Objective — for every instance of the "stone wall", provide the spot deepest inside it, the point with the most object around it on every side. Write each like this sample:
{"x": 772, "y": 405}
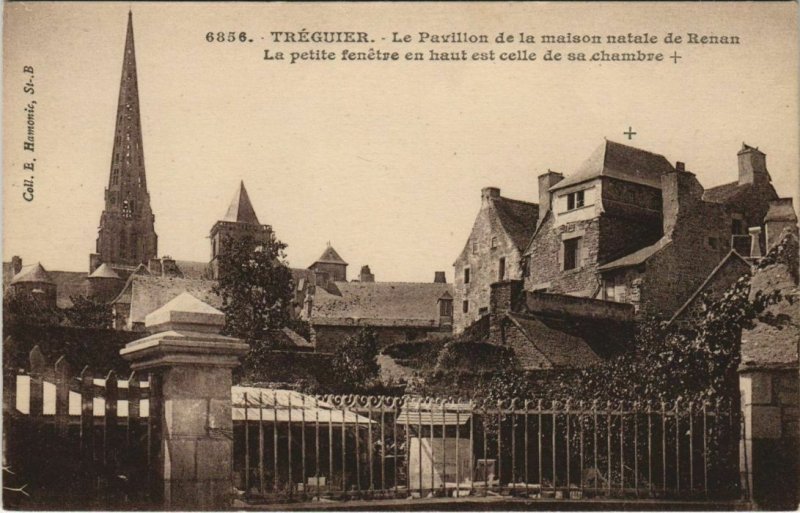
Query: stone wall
{"x": 483, "y": 266}
{"x": 769, "y": 451}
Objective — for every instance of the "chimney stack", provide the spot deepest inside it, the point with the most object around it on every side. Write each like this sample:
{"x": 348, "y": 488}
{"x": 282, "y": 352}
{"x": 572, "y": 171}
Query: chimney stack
{"x": 490, "y": 192}
{"x": 679, "y": 190}
{"x": 755, "y": 242}
{"x": 752, "y": 165}
{"x": 16, "y": 264}
{"x": 547, "y": 180}
{"x": 439, "y": 277}
{"x": 154, "y": 266}
{"x": 366, "y": 276}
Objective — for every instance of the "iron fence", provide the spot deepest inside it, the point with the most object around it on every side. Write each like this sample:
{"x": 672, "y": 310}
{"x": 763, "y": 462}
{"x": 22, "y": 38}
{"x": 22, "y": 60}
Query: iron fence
{"x": 297, "y": 447}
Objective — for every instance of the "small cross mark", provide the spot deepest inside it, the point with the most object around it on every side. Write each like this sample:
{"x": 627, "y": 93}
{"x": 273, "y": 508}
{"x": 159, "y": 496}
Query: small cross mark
{"x": 675, "y": 57}
{"x": 630, "y": 133}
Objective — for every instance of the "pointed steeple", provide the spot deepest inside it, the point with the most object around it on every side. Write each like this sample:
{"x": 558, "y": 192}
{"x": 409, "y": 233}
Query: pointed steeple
{"x": 127, "y": 234}
{"x": 240, "y": 209}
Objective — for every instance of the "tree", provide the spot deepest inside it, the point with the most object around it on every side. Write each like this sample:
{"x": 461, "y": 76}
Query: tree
{"x": 256, "y": 288}
{"x": 355, "y": 363}
{"x": 27, "y": 309}
{"x": 85, "y": 312}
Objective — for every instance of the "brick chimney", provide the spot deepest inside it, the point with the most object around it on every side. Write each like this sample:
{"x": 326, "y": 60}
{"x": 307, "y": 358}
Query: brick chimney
{"x": 680, "y": 191}
{"x": 16, "y": 264}
{"x": 547, "y": 180}
{"x": 439, "y": 277}
{"x": 366, "y": 276}
{"x": 154, "y": 266}
{"x": 169, "y": 267}
{"x": 752, "y": 165}
{"x": 780, "y": 216}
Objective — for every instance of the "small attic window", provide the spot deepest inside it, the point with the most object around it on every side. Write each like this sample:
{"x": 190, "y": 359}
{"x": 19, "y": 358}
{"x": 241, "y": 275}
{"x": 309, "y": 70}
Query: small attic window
{"x": 575, "y": 200}
{"x": 474, "y": 248}
{"x": 494, "y": 242}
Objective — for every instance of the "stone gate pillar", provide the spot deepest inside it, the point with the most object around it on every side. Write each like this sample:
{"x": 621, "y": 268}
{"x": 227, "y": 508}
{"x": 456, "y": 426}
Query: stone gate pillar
{"x": 193, "y": 364}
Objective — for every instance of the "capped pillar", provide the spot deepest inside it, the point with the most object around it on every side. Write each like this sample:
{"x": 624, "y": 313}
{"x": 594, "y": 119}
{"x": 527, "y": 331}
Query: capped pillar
{"x": 192, "y": 365}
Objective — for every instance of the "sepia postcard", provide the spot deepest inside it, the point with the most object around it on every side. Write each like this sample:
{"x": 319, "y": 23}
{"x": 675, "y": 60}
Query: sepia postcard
{"x": 401, "y": 256}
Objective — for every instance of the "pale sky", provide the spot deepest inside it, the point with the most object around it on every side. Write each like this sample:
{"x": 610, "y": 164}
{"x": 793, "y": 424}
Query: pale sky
{"x": 385, "y": 160}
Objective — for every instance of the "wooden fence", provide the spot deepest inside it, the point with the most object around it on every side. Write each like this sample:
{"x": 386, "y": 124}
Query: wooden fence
{"x": 78, "y": 440}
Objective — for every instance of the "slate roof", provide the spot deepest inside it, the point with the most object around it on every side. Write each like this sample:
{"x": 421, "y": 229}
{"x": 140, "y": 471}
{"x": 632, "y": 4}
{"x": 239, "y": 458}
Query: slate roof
{"x": 146, "y": 294}
{"x": 772, "y": 342}
{"x": 551, "y": 347}
{"x": 619, "y": 161}
{"x": 379, "y": 304}
{"x": 726, "y": 193}
{"x": 330, "y": 256}
{"x": 637, "y": 257}
{"x": 240, "y": 209}
{"x": 518, "y": 219}
{"x": 193, "y": 270}
{"x": 32, "y": 274}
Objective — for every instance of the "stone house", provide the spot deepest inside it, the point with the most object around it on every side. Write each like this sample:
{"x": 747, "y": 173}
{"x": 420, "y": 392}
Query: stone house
{"x": 629, "y": 227}
{"x": 396, "y": 311}
{"x": 493, "y": 252}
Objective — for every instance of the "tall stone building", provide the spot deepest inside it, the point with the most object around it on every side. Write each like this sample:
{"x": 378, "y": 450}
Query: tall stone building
{"x": 126, "y": 236}
{"x": 240, "y": 221}
{"x": 493, "y": 252}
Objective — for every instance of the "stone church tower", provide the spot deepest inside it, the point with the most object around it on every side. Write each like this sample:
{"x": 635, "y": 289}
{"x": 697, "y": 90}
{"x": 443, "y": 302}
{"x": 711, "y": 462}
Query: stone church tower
{"x": 126, "y": 236}
{"x": 240, "y": 221}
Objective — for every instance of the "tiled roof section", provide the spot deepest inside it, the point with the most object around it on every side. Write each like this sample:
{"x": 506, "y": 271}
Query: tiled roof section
{"x": 637, "y": 257}
{"x": 559, "y": 348}
{"x": 32, "y": 274}
{"x": 725, "y": 193}
{"x": 194, "y": 270}
{"x": 772, "y": 342}
{"x": 379, "y": 304}
{"x": 330, "y": 256}
{"x": 619, "y": 161}
{"x": 518, "y": 219}
{"x": 149, "y": 293}
{"x": 240, "y": 209}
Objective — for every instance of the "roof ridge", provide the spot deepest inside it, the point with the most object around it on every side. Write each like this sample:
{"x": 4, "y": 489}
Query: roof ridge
{"x": 506, "y": 198}
{"x": 635, "y": 148}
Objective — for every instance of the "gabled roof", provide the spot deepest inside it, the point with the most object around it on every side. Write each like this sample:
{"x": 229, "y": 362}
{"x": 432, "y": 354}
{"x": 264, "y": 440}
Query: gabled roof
{"x": 32, "y": 274}
{"x": 379, "y": 304}
{"x": 330, "y": 256}
{"x": 550, "y": 347}
{"x": 619, "y": 161}
{"x": 240, "y": 209}
{"x": 637, "y": 257}
{"x": 726, "y": 193}
{"x": 732, "y": 258}
{"x": 518, "y": 219}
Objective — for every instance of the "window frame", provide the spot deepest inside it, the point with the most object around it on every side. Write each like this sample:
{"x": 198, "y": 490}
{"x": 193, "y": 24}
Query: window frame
{"x": 466, "y": 276}
{"x": 575, "y": 253}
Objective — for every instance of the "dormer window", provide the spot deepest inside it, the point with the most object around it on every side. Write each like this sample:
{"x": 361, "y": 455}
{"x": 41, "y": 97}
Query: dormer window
{"x": 575, "y": 200}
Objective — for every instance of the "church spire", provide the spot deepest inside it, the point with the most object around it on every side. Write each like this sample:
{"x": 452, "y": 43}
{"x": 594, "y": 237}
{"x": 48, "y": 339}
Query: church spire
{"x": 126, "y": 234}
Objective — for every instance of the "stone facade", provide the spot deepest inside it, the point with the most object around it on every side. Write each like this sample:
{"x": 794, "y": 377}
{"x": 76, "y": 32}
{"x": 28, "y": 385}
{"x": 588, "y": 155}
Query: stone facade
{"x": 492, "y": 253}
